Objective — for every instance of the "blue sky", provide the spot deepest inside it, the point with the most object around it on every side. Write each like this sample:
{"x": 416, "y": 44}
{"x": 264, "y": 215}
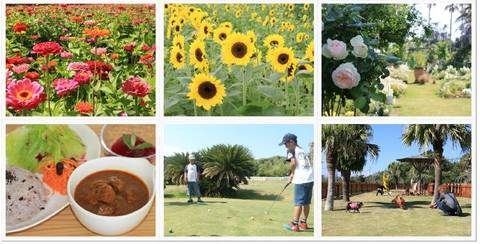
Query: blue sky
{"x": 261, "y": 139}
{"x": 388, "y": 138}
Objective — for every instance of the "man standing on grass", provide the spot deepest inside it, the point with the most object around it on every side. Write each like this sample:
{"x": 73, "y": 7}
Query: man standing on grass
{"x": 301, "y": 175}
{"x": 192, "y": 176}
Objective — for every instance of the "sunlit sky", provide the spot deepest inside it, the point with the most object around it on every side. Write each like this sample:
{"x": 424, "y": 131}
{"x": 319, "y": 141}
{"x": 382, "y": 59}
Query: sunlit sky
{"x": 441, "y": 16}
{"x": 261, "y": 139}
{"x": 388, "y": 138}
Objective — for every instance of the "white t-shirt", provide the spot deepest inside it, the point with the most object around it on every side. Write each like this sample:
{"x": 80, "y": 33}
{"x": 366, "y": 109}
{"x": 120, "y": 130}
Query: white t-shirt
{"x": 192, "y": 172}
{"x": 303, "y": 167}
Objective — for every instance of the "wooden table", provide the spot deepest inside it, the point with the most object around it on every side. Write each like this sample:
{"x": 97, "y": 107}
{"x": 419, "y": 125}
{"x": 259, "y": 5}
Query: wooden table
{"x": 65, "y": 222}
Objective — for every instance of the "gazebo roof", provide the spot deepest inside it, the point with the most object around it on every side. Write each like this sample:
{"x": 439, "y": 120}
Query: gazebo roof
{"x": 416, "y": 159}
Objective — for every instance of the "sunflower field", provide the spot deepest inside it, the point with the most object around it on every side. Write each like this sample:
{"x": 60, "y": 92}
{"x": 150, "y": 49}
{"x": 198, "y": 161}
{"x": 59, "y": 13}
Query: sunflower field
{"x": 239, "y": 59}
{"x": 72, "y": 60}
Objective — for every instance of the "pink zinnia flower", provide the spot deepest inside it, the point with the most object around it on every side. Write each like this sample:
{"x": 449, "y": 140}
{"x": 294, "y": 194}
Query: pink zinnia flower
{"x": 83, "y": 77}
{"x": 20, "y": 69}
{"x": 66, "y": 55}
{"x": 98, "y": 51}
{"x": 78, "y": 66}
{"x": 123, "y": 114}
{"x": 24, "y": 94}
{"x": 47, "y": 48}
{"x": 8, "y": 77}
{"x": 136, "y": 86}
{"x": 89, "y": 22}
{"x": 64, "y": 86}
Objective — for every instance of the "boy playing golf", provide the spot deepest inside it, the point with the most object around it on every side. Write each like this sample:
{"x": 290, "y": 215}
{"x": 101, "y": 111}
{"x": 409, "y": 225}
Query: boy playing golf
{"x": 301, "y": 176}
{"x": 192, "y": 176}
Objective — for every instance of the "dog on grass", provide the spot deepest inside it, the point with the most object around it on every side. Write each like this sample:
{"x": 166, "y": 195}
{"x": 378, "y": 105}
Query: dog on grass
{"x": 399, "y": 202}
{"x": 355, "y": 206}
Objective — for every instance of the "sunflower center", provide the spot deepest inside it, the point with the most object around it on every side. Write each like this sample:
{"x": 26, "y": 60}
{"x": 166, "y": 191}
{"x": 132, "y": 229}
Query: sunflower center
{"x": 239, "y": 49}
{"x": 199, "y": 54}
{"x": 177, "y": 28}
{"x": 207, "y": 90}
{"x": 302, "y": 67}
{"x": 222, "y": 36}
{"x": 179, "y": 57}
{"x": 283, "y": 58}
{"x": 24, "y": 95}
{"x": 274, "y": 42}
{"x": 205, "y": 29}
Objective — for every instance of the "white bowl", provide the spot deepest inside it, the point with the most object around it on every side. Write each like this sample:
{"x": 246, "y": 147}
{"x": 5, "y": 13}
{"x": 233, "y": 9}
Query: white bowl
{"x": 112, "y": 225}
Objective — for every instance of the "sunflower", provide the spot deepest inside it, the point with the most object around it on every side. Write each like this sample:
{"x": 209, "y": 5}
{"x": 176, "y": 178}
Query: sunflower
{"x": 274, "y": 40}
{"x": 291, "y": 7}
{"x": 204, "y": 30}
{"x": 177, "y": 57}
{"x": 291, "y": 70}
{"x": 206, "y": 90}
{"x": 280, "y": 58}
{"x": 227, "y": 25}
{"x": 179, "y": 41}
{"x": 309, "y": 52}
{"x": 305, "y": 67}
{"x": 198, "y": 56}
{"x": 252, "y": 36}
{"x": 237, "y": 49}
{"x": 220, "y": 34}
{"x": 257, "y": 57}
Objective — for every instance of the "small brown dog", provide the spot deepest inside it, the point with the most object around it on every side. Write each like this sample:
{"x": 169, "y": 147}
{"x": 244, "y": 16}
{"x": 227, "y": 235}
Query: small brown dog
{"x": 399, "y": 202}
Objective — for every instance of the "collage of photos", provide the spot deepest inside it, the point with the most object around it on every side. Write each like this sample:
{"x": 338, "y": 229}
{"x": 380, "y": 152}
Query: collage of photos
{"x": 108, "y": 132}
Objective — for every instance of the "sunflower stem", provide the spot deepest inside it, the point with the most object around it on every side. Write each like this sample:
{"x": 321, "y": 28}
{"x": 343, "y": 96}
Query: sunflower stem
{"x": 194, "y": 109}
{"x": 244, "y": 87}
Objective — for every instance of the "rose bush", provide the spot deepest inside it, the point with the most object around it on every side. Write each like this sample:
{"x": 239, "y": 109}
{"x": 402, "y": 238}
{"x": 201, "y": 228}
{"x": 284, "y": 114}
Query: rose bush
{"x": 351, "y": 74}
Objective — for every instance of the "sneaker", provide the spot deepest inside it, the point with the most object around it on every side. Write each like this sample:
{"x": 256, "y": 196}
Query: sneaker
{"x": 200, "y": 201}
{"x": 303, "y": 226}
{"x": 293, "y": 227}
{"x": 190, "y": 201}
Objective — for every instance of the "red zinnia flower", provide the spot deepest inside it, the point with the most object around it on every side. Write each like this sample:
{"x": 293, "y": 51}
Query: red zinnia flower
{"x": 83, "y": 77}
{"x": 24, "y": 94}
{"x": 47, "y": 48}
{"x": 32, "y": 75}
{"x": 129, "y": 47}
{"x": 136, "y": 86}
{"x": 147, "y": 59}
{"x": 84, "y": 107}
{"x": 99, "y": 68}
{"x": 20, "y": 27}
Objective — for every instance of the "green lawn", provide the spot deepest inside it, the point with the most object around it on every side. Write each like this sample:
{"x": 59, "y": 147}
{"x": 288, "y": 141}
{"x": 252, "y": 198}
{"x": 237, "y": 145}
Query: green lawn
{"x": 422, "y": 100}
{"x": 232, "y": 217}
{"x": 378, "y": 217}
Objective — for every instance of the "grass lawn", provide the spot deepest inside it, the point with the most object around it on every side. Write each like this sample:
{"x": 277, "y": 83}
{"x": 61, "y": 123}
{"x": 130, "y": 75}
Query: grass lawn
{"x": 378, "y": 217}
{"x": 422, "y": 100}
{"x": 232, "y": 217}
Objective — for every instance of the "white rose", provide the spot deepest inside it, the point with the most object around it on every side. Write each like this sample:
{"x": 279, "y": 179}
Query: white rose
{"x": 335, "y": 49}
{"x": 346, "y": 76}
{"x": 360, "y": 50}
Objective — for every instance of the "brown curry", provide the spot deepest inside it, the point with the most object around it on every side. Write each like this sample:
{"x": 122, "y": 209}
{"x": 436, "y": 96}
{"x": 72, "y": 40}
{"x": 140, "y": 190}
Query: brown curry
{"x": 111, "y": 193}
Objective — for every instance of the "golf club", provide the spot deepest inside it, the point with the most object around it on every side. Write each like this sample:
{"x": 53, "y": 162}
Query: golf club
{"x": 276, "y": 198}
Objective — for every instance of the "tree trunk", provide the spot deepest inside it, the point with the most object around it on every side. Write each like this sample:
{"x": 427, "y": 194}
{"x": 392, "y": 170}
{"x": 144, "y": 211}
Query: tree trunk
{"x": 346, "y": 185}
{"x": 437, "y": 163}
{"x": 330, "y": 181}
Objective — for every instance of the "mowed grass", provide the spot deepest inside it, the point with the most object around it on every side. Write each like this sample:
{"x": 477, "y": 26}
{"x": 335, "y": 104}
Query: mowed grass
{"x": 232, "y": 216}
{"x": 378, "y": 217}
{"x": 422, "y": 100}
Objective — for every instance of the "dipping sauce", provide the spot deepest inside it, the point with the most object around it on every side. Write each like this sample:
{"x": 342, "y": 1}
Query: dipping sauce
{"x": 111, "y": 193}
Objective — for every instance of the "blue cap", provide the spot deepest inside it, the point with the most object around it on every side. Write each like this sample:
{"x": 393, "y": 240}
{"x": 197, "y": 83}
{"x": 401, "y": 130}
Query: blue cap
{"x": 288, "y": 137}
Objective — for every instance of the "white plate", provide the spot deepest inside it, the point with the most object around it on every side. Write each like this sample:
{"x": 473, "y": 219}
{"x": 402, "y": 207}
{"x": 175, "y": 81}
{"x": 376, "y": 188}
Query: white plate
{"x": 58, "y": 202}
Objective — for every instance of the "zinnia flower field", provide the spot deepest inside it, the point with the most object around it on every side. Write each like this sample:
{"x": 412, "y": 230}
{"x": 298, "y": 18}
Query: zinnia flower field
{"x": 239, "y": 59}
{"x": 70, "y": 60}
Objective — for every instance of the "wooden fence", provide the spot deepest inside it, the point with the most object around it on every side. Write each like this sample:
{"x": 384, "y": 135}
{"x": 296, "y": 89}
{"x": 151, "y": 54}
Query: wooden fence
{"x": 460, "y": 190}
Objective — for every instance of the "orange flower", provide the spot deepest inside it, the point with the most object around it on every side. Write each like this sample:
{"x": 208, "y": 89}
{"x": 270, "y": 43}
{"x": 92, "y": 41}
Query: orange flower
{"x": 96, "y": 32}
{"x": 76, "y": 19}
{"x": 115, "y": 56}
{"x": 84, "y": 107}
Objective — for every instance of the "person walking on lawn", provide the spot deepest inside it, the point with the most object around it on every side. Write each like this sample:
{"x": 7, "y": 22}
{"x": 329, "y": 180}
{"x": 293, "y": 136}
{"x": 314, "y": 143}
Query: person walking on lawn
{"x": 301, "y": 176}
{"x": 192, "y": 176}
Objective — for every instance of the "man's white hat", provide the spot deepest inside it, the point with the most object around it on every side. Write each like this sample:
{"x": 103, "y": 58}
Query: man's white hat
{"x": 191, "y": 157}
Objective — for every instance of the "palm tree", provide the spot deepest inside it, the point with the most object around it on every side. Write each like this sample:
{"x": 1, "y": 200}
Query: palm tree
{"x": 175, "y": 168}
{"x": 353, "y": 154}
{"x": 332, "y": 138}
{"x": 430, "y": 5}
{"x": 436, "y": 136}
{"x": 397, "y": 171}
{"x": 226, "y": 167}
{"x": 451, "y": 8}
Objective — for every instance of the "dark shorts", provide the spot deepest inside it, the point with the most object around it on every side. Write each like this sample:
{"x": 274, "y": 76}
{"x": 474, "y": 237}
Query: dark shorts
{"x": 193, "y": 189}
{"x": 303, "y": 194}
